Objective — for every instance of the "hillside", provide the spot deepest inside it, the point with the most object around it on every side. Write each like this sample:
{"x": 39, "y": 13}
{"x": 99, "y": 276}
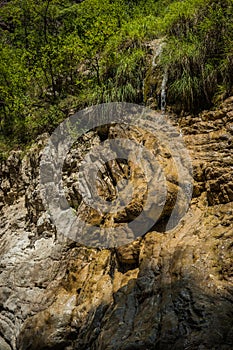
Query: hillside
{"x": 58, "y": 57}
{"x": 116, "y": 223}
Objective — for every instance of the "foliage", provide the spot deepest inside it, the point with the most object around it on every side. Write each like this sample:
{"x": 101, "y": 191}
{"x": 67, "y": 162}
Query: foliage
{"x": 59, "y": 56}
{"x": 198, "y": 54}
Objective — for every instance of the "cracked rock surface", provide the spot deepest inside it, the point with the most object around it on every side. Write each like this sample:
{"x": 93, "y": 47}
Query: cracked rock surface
{"x": 166, "y": 290}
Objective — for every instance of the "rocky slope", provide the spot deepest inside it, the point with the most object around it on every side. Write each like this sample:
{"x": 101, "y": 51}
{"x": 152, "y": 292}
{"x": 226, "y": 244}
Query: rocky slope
{"x": 167, "y": 290}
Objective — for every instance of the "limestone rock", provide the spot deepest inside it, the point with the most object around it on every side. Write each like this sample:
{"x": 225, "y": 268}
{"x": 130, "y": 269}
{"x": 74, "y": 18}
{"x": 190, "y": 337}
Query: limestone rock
{"x": 166, "y": 290}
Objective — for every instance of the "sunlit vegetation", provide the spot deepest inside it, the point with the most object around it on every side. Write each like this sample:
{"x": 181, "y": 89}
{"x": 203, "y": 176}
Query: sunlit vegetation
{"x": 60, "y": 56}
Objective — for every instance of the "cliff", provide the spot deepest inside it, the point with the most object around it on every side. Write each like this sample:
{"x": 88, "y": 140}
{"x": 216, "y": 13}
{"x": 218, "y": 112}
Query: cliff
{"x": 166, "y": 290}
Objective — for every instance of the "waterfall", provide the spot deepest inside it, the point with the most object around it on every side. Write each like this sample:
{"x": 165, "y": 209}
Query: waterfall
{"x": 156, "y": 47}
{"x": 158, "y": 50}
{"x": 163, "y": 91}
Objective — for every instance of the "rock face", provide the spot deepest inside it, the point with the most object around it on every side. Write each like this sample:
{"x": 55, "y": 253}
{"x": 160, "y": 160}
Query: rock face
{"x": 166, "y": 290}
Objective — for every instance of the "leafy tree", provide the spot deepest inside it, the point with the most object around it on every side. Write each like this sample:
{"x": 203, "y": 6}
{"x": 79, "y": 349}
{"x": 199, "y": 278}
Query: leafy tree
{"x": 59, "y": 56}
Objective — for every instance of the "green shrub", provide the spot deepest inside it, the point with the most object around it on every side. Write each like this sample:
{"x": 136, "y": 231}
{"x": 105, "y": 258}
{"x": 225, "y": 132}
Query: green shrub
{"x": 198, "y": 54}
{"x": 59, "y": 56}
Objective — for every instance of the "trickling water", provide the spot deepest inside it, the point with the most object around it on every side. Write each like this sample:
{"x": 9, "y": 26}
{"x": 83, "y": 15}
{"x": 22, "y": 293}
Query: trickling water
{"x": 158, "y": 50}
{"x": 157, "y": 47}
{"x": 163, "y": 91}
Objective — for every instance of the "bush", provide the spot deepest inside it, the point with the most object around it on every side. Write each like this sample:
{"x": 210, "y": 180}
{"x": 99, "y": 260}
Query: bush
{"x": 59, "y": 56}
{"x": 198, "y": 54}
